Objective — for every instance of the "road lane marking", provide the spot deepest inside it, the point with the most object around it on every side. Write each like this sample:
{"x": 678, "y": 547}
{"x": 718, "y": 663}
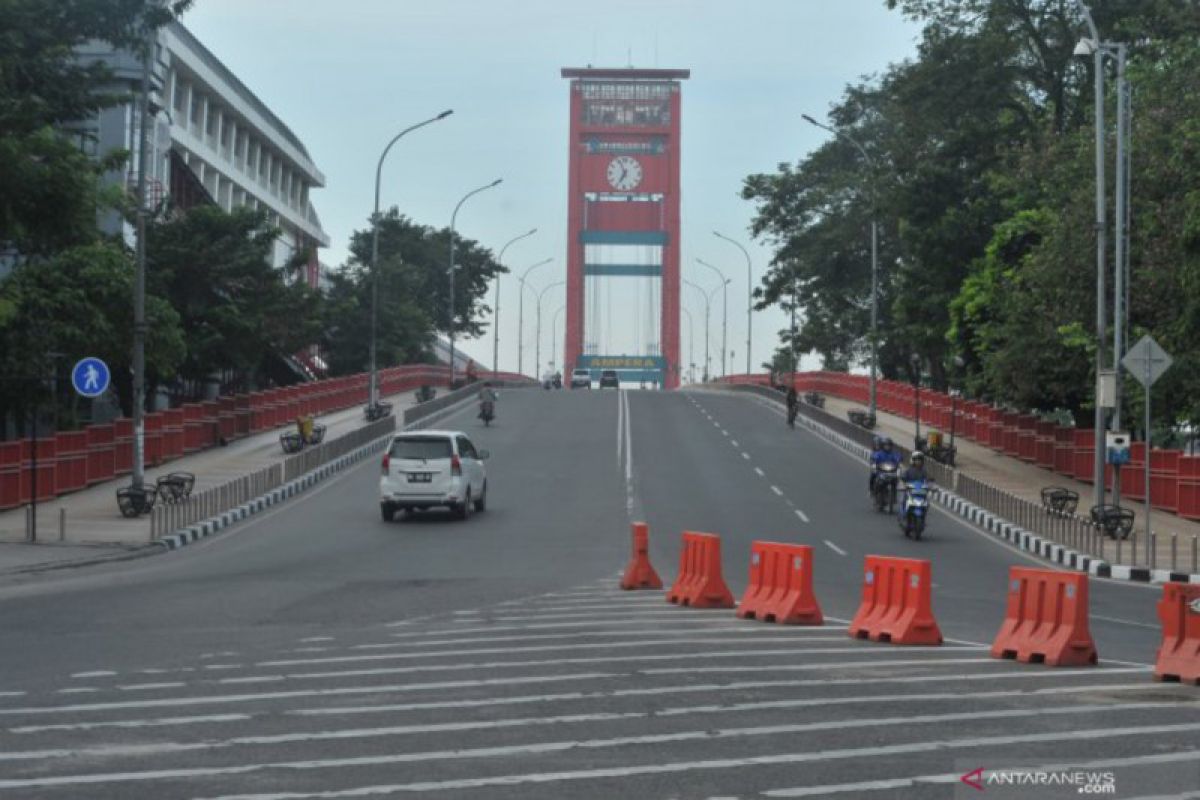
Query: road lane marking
{"x": 734, "y": 442}
{"x": 835, "y": 548}
{"x": 309, "y": 639}
{"x": 143, "y": 687}
{"x": 168, "y": 702}
{"x": 1127, "y": 622}
{"x": 761, "y": 474}
{"x": 132, "y": 723}
{"x": 78, "y": 690}
{"x": 777, "y": 490}
{"x": 793, "y": 667}
{"x": 97, "y": 673}
{"x": 543, "y": 748}
{"x": 802, "y": 515}
{"x": 746, "y": 456}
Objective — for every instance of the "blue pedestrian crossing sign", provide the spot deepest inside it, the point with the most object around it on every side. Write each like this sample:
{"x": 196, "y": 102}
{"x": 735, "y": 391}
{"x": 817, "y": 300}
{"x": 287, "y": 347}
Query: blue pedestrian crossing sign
{"x": 91, "y": 377}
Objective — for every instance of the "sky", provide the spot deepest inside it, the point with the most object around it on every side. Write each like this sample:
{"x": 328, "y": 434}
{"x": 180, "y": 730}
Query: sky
{"x": 347, "y": 76}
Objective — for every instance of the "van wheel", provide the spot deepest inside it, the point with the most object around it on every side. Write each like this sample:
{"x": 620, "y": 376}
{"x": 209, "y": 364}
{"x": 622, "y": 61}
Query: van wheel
{"x": 481, "y": 503}
{"x": 463, "y": 509}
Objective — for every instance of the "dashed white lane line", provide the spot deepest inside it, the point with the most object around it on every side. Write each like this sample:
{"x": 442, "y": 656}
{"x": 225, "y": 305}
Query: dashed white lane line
{"x": 835, "y": 548}
{"x": 734, "y": 442}
{"x": 746, "y": 456}
{"x": 761, "y": 474}
{"x": 802, "y": 515}
{"x": 321, "y": 638}
{"x": 142, "y": 687}
{"x": 78, "y": 690}
{"x": 98, "y": 673}
{"x": 777, "y": 490}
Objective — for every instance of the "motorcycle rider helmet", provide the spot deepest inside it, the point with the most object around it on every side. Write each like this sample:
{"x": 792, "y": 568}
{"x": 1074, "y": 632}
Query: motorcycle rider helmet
{"x": 918, "y": 458}
{"x": 885, "y": 444}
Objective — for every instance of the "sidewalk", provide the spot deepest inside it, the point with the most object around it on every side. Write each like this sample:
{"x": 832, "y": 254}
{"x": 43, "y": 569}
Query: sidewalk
{"x": 1026, "y": 480}
{"x": 95, "y": 529}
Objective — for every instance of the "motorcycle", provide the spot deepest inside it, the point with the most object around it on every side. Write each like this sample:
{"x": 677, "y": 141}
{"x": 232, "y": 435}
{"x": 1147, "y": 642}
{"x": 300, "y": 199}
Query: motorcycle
{"x": 884, "y": 489}
{"x": 487, "y": 412}
{"x": 792, "y": 410}
{"x": 914, "y": 509}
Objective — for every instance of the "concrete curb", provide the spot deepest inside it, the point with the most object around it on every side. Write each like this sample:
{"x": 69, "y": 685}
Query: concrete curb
{"x": 212, "y": 525}
{"x": 1019, "y": 537}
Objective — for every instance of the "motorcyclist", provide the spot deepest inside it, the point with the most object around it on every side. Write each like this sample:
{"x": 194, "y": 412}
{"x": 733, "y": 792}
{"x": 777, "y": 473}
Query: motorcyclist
{"x": 487, "y": 399}
{"x": 884, "y": 452}
{"x": 793, "y": 405}
{"x": 916, "y": 469}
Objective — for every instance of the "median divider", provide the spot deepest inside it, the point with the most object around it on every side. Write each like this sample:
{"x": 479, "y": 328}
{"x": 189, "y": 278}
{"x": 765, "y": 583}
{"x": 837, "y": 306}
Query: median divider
{"x": 896, "y": 602}
{"x": 1046, "y": 620}
{"x": 639, "y": 574}
{"x": 780, "y": 588}
{"x": 699, "y": 583}
{"x": 1179, "y": 654}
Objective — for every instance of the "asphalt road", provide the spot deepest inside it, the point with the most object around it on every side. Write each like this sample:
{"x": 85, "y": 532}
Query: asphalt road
{"x": 318, "y": 652}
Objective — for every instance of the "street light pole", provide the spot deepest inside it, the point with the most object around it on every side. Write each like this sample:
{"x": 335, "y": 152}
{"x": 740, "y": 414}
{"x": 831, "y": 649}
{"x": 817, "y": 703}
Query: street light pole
{"x": 1098, "y": 49}
{"x": 374, "y": 379}
{"x": 708, "y": 296}
{"x": 496, "y": 310}
{"x": 138, "y": 476}
{"x": 521, "y": 315}
{"x": 692, "y": 341}
{"x": 453, "y": 218}
{"x": 874, "y": 253}
{"x": 537, "y": 350}
{"x": 749, "y": 297}
{"x": 724, "y": 314}
{"x": 554, "y": 337}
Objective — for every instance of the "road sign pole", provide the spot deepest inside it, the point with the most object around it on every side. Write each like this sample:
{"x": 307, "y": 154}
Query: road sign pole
{"x": 1147, "y": 382}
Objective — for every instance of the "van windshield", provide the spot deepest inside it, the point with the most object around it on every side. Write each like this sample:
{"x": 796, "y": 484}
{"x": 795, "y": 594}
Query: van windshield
{"x": 423, "y": 448}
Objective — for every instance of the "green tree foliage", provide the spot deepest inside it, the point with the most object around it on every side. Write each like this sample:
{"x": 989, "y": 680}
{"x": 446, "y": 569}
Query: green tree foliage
{"x": 238, "y": 311}
{"x": 76, "y": 304}
{"x": 983, "y": 186}
{"x": 413, "y": 294}
{"x": 51, "y": 186}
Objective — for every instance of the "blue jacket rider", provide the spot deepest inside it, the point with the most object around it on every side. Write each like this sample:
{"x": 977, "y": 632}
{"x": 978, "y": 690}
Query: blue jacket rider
{"x": 882, "y": 453}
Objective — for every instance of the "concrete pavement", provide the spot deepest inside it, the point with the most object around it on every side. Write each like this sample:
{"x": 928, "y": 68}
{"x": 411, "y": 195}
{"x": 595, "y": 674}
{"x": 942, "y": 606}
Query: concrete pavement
{"x": 318, "y": 651}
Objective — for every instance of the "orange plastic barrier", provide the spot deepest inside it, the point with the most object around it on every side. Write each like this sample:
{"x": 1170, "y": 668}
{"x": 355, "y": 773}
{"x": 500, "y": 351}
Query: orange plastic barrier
{"x": 1179, "y": 654}
{"x": 896, "y": 602}
{"x": 639, "y": 574}
{"x": 780, "y": 588}
{"x": 699, "y": 583}
{"x": 1047, "y": 619}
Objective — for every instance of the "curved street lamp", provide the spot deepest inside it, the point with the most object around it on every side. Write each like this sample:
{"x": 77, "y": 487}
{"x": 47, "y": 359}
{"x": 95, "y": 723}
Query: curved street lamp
{"x": 538, "y": 347}
{"x": 453, "y": 218}
{"x": 691, "y": 341}
{"x": 707, "y": 296}
{"x": 521, "y": 315}
{"x": 749, "y": 295}
{"x": 554, "y": 336}
{"x": 874, "y": 252}
{"x": 374, "y": 380}
{"x": 496, "y": 310}
{"x": 724, "y": 313}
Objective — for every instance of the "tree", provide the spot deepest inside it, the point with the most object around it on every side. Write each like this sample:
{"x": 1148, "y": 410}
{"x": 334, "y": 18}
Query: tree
{"x": 51, "y": 185}
{"x": 239, "y": 313}
{"x": 77, "y": 304}
{"x": 413, "y": 293}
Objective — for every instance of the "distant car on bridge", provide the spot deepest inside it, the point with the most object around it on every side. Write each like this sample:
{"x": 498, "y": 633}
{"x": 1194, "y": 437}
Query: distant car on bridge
{"x": 609, "y": 378}
{"x": 581, "y": 379}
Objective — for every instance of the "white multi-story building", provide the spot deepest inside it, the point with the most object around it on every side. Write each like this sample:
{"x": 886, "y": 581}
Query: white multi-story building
{"x": 212, "y": 140}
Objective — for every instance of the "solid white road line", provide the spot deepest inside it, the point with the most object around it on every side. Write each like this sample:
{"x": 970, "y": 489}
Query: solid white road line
{"x": 170, "y": 702}
{"x": 143, "y": 687}
{"x": 97, "y": 673}
{"x": 156, "y": 722}
{"x": 835, "y": 548}
{"x": 747, "y": 630}
{"x": 1107, "y": 764}
{"x": 721, "y": 623}
{"x": 539, "y": 748}
{"x": 793, "y": 667}
{"x": 716, "y": 688}
{"x": 1126, "y": 622}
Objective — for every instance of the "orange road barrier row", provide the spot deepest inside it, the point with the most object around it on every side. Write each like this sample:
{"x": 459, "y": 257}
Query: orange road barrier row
{"x": 780, "y": 588}
{"x": 1179, "y": 654}
{"x": 639, "y": 574}
{"x": 699, "y": 583}
{"x": 1047, "y": 619}
{"x": 896, "y": 602}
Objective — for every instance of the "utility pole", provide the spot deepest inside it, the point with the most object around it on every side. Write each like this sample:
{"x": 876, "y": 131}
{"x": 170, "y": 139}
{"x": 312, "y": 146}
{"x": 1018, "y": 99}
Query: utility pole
{"x": 138, "y": 477}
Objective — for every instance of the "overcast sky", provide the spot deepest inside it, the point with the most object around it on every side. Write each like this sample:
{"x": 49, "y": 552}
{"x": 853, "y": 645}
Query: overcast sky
{"x": 347, "y": 76}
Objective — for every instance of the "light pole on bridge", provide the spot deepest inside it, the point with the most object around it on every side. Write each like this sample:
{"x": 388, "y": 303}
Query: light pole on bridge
{"x": 521, "y": 314}
{"x": 496, "y": 310}
{"x": 724, "y": 313}
{"x": 749, "y": 296}
{"x": 538, "y": 347}
{"x": 453, "y": 218}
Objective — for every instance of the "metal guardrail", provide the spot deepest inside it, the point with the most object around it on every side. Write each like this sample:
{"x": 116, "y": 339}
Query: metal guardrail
{"x": 1069, "y": 530}
{"x": 168, "y": 518}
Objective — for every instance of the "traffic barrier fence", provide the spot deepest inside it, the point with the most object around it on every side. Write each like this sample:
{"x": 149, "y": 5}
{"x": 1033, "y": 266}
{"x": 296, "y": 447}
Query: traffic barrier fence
{"x": 700, "y": 583}
{"x": 1046, "y": 619}
{"x": 897, "y": 605}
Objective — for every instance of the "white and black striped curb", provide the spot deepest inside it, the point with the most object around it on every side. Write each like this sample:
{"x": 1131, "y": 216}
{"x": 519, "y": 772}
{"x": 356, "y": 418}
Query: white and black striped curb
{"x": 1014, "y": 534}
{"x": 208, "y": 527}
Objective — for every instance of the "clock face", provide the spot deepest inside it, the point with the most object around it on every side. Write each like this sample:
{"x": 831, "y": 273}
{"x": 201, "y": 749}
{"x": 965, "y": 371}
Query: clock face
{"x": 624, "y": 173}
